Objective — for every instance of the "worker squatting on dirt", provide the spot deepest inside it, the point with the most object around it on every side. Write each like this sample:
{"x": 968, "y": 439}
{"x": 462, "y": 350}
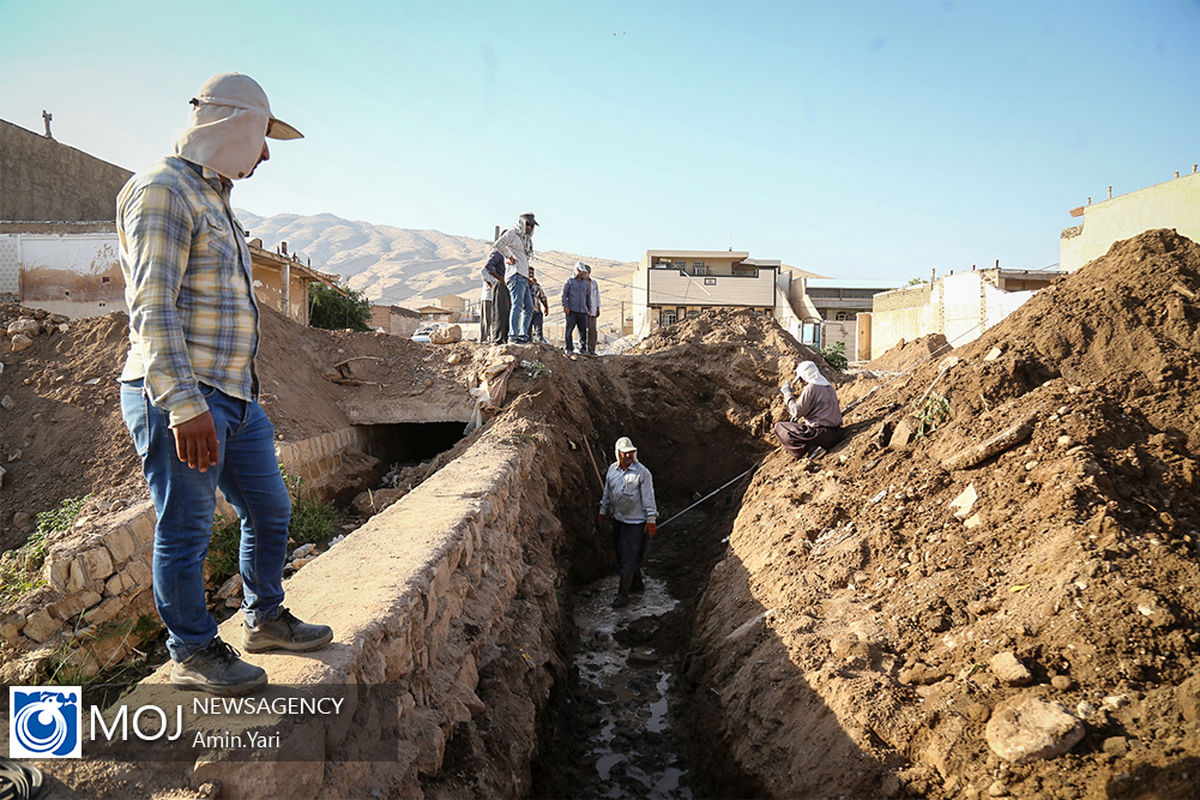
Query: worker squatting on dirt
{"x": 816, "y": 416}
{"x": 629, "y": 500}
{"x": 189, "y": 387}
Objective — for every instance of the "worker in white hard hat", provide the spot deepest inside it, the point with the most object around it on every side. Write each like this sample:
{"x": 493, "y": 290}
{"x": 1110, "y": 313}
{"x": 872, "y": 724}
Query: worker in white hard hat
{"x": 816, "y": 418}
{"x": 629, "y": 500}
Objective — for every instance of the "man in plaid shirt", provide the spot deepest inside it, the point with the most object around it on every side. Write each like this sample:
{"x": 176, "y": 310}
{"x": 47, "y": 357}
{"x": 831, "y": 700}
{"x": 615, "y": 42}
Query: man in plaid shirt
{"x": 189, "y": 387}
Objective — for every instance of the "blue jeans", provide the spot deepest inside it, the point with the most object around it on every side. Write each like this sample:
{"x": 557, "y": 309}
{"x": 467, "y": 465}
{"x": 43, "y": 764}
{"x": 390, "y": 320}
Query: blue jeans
{"x": 248, "y": 475}
{"x": 522, "y": 307}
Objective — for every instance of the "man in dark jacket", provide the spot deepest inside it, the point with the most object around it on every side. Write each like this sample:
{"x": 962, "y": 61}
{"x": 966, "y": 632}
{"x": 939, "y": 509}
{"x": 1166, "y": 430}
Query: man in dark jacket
{"x": 493, "y": 275}
{"x": 816, "y": 423}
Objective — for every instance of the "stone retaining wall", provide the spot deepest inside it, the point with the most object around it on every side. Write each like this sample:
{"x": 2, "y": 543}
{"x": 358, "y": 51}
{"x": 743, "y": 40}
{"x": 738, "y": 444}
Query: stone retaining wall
{"x": 97, "y": 588}
{"x": 452, "y": 593}
{"x": 98, "y": 584}
{"x": 317, "y": 458}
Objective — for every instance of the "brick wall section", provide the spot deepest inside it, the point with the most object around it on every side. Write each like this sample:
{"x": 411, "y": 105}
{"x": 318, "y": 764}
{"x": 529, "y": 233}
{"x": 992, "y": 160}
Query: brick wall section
{"x": 901, "y": 298}
{"x": 41, "y": 179}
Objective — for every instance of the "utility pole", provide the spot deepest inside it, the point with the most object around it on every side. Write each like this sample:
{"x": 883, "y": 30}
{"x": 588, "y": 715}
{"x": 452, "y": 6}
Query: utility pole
{"x": 46, "y": 117}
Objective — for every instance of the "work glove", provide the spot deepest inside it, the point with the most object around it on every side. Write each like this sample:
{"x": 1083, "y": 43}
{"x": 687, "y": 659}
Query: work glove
{"x": 651, "y": 529}
{"x": 786, "y": 389}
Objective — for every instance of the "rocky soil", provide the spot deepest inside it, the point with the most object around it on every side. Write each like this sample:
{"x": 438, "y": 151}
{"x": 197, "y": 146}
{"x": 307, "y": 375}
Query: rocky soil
{"x": 929, "y": 617}
{"x": 1003, "y": 605}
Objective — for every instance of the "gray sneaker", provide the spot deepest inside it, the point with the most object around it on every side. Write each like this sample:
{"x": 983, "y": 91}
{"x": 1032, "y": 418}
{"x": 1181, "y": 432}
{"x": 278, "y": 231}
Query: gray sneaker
{"x": 217, "y": 670}
{"x": 284, "y": 632}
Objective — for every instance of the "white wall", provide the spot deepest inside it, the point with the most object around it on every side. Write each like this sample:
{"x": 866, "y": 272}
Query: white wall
{"x": 961, "y": 307}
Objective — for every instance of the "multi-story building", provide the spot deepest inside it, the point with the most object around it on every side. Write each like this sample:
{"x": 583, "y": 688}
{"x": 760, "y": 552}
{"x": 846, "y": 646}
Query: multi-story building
{"x": 670, "y": 285}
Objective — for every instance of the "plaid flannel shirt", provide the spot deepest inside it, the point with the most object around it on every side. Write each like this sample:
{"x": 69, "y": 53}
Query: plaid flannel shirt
{"x": 193, "y": 317}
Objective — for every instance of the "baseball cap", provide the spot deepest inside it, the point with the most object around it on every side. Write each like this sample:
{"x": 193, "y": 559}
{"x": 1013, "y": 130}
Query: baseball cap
{"x": 624, "y": 445}
{"x": 236, "y": 90}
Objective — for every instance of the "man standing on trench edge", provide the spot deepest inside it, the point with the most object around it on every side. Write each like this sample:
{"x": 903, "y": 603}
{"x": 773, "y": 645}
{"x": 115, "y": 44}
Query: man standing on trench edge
{"x": 189, "y": 386}
{"x": 516, "y": 246}
{"x": 629, "y": 500}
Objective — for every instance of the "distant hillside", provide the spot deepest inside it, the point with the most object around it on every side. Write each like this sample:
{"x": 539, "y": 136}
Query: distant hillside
{"x": 399, "y": 266}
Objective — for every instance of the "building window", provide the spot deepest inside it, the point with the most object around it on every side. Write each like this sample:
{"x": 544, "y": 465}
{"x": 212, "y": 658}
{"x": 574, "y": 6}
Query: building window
{"x": 842, "y": 316}
{"x": 667, "y": 317}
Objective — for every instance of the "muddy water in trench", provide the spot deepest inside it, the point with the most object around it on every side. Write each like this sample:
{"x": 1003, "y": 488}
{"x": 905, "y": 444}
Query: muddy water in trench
{"x": 623, "y": 722}
{"x": 633, "y": 743}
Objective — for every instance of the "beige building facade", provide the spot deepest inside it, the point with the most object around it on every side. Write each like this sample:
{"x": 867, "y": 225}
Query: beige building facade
{"x": 960, "y": 307}
{"x": 1172, "y": 204}
{"x": 671, "y": 285}
{"x": 75, "y": 269}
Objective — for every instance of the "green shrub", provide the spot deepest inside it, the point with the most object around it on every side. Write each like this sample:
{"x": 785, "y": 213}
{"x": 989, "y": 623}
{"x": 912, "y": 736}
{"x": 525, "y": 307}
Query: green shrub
{"x": 313, "y": 520}
{"x": 835, "y": 355}
{"x": 223, "y": 550}
{"x": 932, "y": 412}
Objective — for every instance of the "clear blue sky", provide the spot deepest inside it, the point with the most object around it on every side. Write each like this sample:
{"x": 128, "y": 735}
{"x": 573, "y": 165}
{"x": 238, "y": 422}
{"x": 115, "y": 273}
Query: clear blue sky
{"x": 863, "y": 140}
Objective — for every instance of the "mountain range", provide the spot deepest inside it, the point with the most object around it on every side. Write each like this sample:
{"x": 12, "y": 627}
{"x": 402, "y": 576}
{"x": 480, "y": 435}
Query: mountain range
{"x": 412, "y": 268}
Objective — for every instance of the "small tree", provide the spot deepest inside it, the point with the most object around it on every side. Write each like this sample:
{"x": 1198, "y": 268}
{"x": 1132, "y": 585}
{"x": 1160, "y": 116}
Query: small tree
{"x": 329, "y": 308}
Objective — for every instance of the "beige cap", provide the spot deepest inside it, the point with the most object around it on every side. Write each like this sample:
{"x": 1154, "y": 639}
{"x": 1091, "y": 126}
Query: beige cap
{"x": 624, "y": 445}
{"x": 236, "y": 90}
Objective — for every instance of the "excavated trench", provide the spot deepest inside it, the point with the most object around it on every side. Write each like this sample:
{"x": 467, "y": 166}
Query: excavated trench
{"x": 622, "y": 720}
{"x": 493, "y": 615}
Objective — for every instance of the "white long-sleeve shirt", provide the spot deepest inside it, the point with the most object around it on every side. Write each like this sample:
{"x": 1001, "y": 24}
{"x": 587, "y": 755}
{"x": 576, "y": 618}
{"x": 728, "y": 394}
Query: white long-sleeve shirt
{"x": 594, "y": 288}
{"x": 629, "y": 494}
{"x": 515, "y": 245}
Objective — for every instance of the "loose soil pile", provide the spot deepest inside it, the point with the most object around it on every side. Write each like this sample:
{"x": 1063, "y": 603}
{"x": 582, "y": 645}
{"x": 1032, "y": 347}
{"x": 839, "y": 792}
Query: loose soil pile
{"x": 864, "y": 637}
{"x": 859, "y": 634}
{"x": 63, "y": 436}
{"x": 906, "y": 355}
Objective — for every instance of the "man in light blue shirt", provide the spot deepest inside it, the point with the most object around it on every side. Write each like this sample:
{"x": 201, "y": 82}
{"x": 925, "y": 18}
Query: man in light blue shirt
{"x": 629, "y": 500}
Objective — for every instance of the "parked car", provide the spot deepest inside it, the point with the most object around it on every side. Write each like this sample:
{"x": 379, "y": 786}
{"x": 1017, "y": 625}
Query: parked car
{"x": 422, "y": 333}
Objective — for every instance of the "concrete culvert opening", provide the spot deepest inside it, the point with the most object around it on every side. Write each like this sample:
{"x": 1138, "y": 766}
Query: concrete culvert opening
{"x": 408, "y": 443}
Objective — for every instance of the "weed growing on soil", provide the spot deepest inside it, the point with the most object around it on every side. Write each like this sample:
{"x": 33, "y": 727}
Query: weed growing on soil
{"x": 69, "y": 664}
{"x": 21, "y": 569}
{"x": 223, "y": 550}
{"x": 313, "y": 520}
{"x": 931, "y": 411}
{"x": 835, "y": 356}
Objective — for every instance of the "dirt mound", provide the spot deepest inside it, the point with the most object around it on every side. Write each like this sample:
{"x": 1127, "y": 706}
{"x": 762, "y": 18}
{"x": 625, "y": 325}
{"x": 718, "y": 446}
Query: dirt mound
{"x": 879, "y": 610}
{"x": 908, "y": 354}
{"x": 62, "y": 436}
{"x": 717, "y": 327}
